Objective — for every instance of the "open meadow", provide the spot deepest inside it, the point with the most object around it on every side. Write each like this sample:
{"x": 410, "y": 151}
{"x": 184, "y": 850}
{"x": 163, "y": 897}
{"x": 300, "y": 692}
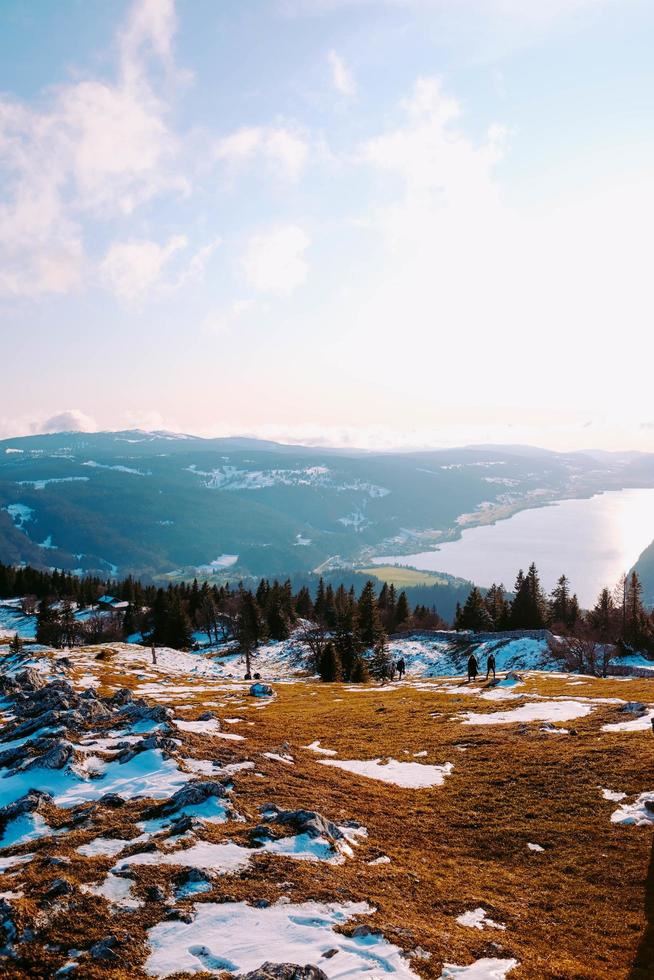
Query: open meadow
{"x": 449, "y": 824}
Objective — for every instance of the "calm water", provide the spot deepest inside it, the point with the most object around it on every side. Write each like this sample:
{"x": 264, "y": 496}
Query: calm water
{"x": 593, "y": 541}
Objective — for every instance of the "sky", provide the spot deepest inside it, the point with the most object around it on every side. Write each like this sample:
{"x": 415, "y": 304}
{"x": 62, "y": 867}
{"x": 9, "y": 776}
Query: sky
{"x": 380, "y": 223}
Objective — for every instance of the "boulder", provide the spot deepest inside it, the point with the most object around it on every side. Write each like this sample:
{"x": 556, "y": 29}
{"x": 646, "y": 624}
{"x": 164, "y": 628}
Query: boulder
{"x": 30, "y": 679}
{"x": 260, "y": 690}
{"x": 633, "y": 708}
{"x": 154, "y": 741}
{"x": 56, "y": 757}
{"x": 197, "y": 791}
{"x": 33, "y": 800}
{"x": 284, "y": 971}
{"x": 58, "y": 888}
{"x": 105, "y": 949}
{"x": 304, "y": 821}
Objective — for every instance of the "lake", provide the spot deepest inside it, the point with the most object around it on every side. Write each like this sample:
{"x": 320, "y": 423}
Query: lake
{"x": 593, "y": 541}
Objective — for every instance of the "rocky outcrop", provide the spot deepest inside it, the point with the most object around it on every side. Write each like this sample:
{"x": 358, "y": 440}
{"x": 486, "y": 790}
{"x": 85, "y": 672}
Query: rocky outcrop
{"x": 284, "y": 971}
{"x": 303, "y": 821}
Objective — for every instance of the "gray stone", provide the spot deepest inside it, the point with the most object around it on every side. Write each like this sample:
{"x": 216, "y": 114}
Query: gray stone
{"x": 284, "y": 971}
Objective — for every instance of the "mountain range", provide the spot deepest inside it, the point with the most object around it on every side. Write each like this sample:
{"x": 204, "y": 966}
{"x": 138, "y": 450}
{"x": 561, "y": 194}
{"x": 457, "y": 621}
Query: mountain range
{"x": 157, "y": 504}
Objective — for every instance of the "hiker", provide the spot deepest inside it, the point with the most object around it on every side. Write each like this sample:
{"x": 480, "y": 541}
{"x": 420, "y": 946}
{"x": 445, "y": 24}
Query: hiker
{"x": 154, "y": 655}
{"x": 392, "y": 669}
{"x": 401, "y": 668}
{"x": 490, "y": 665}
{"x": 473, "y": 667}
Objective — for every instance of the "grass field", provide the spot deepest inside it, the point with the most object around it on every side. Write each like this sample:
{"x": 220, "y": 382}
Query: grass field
{"x": 403, "y": 578}
{"x": 582, "y": 907}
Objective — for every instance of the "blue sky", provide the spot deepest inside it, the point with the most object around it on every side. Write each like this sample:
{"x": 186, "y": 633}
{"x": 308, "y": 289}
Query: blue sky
{"x": 371, "y": 222}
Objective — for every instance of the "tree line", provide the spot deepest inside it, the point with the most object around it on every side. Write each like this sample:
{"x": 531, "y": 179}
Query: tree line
{"x": 345, "y": 632}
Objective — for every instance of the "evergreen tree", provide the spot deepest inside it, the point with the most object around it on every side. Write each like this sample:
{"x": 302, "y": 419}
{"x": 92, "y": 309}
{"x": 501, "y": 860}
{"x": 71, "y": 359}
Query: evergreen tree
{"x": 402, "y": 611}
{"x": 47, "y": 624}
{"x": 359, "y": 674}
{"x": 329, "y": 666}
{"x": 560, "y": 601}
{"x": 602, "y": 616}
{"x": 380, "y": 663}
{"x": 347, "y": 640}
{"x": 249, "y": 628}
{"x": 498, "y": 607}
{"x": 529, "y": 608}
{"x": 179, "y": 632}
{"x": 635, "y": 619}
{"x": 371, "y": 630}
{"x": 474, "y": 615}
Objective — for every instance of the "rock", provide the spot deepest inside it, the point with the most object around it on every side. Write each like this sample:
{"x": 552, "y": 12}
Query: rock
{"x": 122, "y": 696}
{"x": 155, "y": 893}
{"x": 184, "y": 825}
{"x": 259, "y": 834}
{"x": 112, "y": 800}
{"x": 141, "y": 711}
{"x": 181, "y": 915}
{"x": 633, "y": 708}
{"x": 261, "y": 903}
{"x": 30, "y": 679}
{"x": 197, "y": 791}
{"x": 105, "y": 949}
{"x": 58, "y": 888}
{"x": 8, "y": 930}
{"x": 364, "y": 931}
{"x": 284, "y": 971}
{"x": 256, "y": 677}
{"x": 55, "y": 758}
{"x": 155, "y": 741}
{"x": 304, "y": 821}
{"x": 329, "y": 953}
{"x": 31, "y": 801}
{"x": 512, "y": 676}
{"x": 192, "y": 875}
{"x": 94, "y": 710}
{"x": 260, "y": 690}
{"x": 207, "y": 716}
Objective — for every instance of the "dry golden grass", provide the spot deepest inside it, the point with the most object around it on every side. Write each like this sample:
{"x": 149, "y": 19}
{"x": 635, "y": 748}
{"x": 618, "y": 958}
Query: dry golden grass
{"x": 581, "y": 909}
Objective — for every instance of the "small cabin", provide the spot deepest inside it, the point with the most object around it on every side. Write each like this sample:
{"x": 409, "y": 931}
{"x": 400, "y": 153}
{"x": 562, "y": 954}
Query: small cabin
{"x": 109, "y": 602}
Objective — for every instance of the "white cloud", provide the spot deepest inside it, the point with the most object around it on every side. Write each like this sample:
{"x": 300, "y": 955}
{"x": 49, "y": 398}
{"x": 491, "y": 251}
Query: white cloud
{"x": 284, "y": 150}
{"x": 97, "y": 148}
{"x": 342, "y": 79}
{"x": 70, "y": 420}
{"x": 222, "y": 321}
{"x": 275, "y": 260}
{"x": 132, "y": 269}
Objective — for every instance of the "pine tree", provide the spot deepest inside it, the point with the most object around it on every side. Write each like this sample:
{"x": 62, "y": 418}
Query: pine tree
{"x": 329, "y": 666}
{"x": 370, "y": 625}
{"x": 347, "y": 640}
{"x": 402, "y": 612}
{"x": 359, "y": 673}
{"x": 179, "y": 632}
{"x": 249, "y": 628}
{"x": 379, "y": 664}
{"x": 529, "y": 608}
{"x": 560, "y": 601}
{"x": 602, "y": 615}
{"x": 47, "y": 624}
{"x": 474, "y": 615}
{"x": 497, "y": 606}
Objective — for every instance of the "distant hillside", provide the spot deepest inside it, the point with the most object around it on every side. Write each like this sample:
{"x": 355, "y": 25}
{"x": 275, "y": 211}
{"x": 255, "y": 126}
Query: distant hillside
{"x": 159, "y": 504}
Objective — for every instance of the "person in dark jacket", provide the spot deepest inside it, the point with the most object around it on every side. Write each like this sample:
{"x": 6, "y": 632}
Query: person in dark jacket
{"x": 490, "y": 665}
{"x": 473, "y": 667}
{"x": 401, "y": 668}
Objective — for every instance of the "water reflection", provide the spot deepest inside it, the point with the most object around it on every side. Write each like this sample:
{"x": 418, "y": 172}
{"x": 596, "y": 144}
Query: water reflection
{"x": 593, "y": 541}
